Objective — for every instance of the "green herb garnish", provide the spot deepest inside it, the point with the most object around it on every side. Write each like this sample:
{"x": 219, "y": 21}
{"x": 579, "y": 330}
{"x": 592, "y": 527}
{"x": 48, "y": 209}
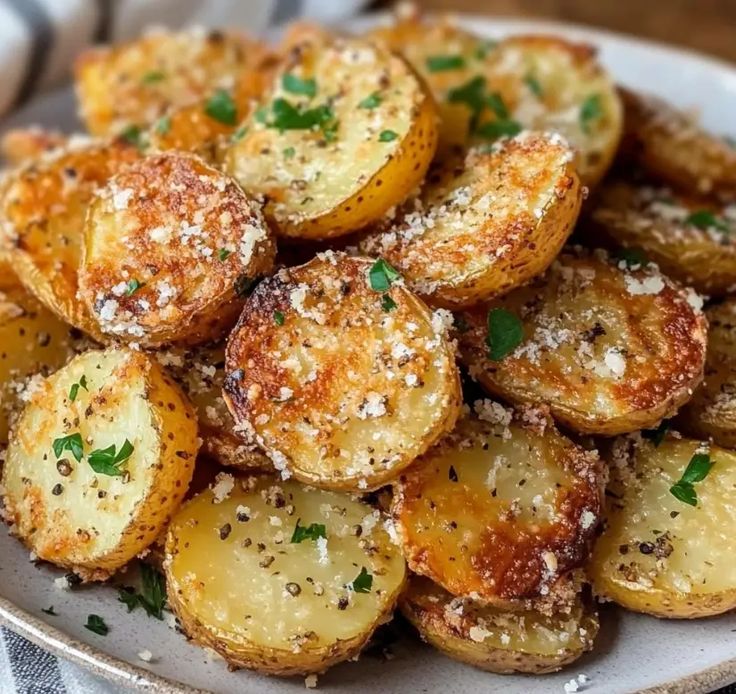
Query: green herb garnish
{"x": 382, "y": 276}
{"x": 286, "y": 116}
{"x": 239, "y": 134}
{"x": 483, "y": 49}
{"x": 132, "y": 287}
{"x": 633, "y": 257}
{"x": 534, "y": 87}
{"x": 499, "y": 128}
{"x": 296, "y": 85}
{"x": 278, "y": 317}
{"x": 223, "y": 254}
{"x": 71, "y": 443}
{"x": 163, "y": 125}
{"x": 656, "y": 436}
{"x": 505, "y": 333}
{"x": 439, "y": 63}
{"x": 696, "y": 471}
{"x": 74, "y": 390}
{"x": 387, "y": 303}
{"x": 497, "y": 105}
{"x": 152, "y": 596}
{"x": 133, "y": 135}
{"x": 222, "y": 108}
{"x": 590, "y": 110}
{"x": 289, "y": 152}
{"x": 704, "y": 219}
{"x": 152, "y": 77}
{"x": 108, "y": 461}
{"x": 128, "y": 597}
{"x": 387, "y": 136}
{"x": 97, "y": 624}
{"x": 363, "y": 582}
{"x": 310, "y": 532}
{"x": 371, "y": 101}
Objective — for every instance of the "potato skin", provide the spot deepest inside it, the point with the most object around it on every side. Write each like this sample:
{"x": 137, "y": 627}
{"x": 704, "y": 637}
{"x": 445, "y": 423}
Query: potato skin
{"x": 609, "y": 349}
{"x": 496, "y": 640}
{"x": 340, "y": 392}
{"x": 42, "y": 209}
{"x": 190, "y": 238}
{"x": 467, "y": 522}
{"x": 657, "y": 554}
{"x": 320, "y": 185}
{"x": 227, "y": 556}
{"x": 657, "y": 220}
{"x": 486, "y": 225}
{"x": 90, "y": 522}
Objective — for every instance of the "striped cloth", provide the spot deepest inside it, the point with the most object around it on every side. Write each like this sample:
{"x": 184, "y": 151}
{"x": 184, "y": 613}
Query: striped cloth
{"x": 39, "y": 40}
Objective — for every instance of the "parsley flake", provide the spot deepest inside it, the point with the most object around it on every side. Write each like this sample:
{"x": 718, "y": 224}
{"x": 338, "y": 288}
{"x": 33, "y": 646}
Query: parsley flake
{"x": 439, "y": 63}
{"x": 106, "y": 461}
{"x": 505, "y": 333}
{"x": 278, "y": 317}
{"x": 590, "y": 110}
{"x": 286, "y": 116}
{"x": 656, "y": 436}
{"x": 499, "y": 128}
{"x": 133, "y": 135}
{"x": 163, "y": 125}
{"x": 296, "y": 85}
{"x": 632, "y": 257}
{"x": 387, "y": 303}
{"x": 534, "y": 87}
{"x": 132, "y": 287}
{"x": 239, "y": 134}
{"x": 484, "y": 48}
{"x": 74, "y": 390}
{"x": 497, "y": 105}
{"x": 128, "y": 596}
{"x": 381, "y": 276}
{"x": 310, "y": 532}
{"x": 223, "y": 254}
{"x": 363, "y": 582}
{"x": 387, "y": 136}
{"x": 96, "y": 624}
{"x": 696, "y": 471}
{"x": 704, "y": 219}
{"x": 372, "y": 101}
{"x": 50, "y": 610}
{"x": 153, "y": 77}
{"x": 289, "y": 153}
{"x": 152, "y": 596}
{"x": 71, "y": 443}
{"x": 222, "y": 108}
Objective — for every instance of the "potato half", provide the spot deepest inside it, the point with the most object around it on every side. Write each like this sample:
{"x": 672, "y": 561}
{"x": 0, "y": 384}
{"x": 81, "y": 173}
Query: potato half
{"x": 711, "y": 412}
{"x": 608, "y": 348}
{"x": 281, "y": 578}
{"x": 343, "y": 385}
{"x": 499, "y": 510}
{"x": 671, "y": 146}
{"x": 347, "y": 132}
{"x": 135, "y": 83}
{"x": 170, "y": 247}
{"x": 485, "y": 225}
{"x": 495, "y": 639}
{"x": 98, "y": 461}
{"x": 487, "y": 89}
{"x": 690, "y": 238}
{"x": 658, "y": 554}
{"x": 42, "y": 209}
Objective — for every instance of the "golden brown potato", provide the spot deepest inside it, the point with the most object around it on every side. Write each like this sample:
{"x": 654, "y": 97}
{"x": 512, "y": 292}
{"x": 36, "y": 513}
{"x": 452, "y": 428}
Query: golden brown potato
{"x": 487, "y": 89}
{"x": 170, "y": 247}
{"x": 21, "y": 144}
{"x": 500, "y": 510}
{"x": 494, "y": 639}
{"x": 280, "y": 578}
{"x": 347, "y": 132}
{"x": 340, "y": 373}
{"x": 485, "y": 225}
{"x": 659, "y": 554}
{"x": 609, "y": 348}
{"x": 671, "y": 146}
{"x": 133, "y": 84}
{"x": 711, "y": 413}
{"x": 98, "y": 461}
{"x": 42, "y": 211}
{"x": 200, "y": 371}
{"x": 690, "y": 238}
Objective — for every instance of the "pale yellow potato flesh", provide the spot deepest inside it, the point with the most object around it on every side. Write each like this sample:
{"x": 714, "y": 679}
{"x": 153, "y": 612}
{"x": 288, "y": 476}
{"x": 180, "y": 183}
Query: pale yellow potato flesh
{"x": 66, "y": 512}
{"x": 657, "y": 554}
{"x": 240, "y": 585}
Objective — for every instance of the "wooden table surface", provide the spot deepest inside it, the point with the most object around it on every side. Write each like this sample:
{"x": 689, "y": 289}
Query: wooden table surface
{"x": 708, "y": 26}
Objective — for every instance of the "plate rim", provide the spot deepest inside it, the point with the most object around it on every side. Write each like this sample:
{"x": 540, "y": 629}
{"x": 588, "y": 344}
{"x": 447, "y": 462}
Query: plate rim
{"x": 124, "y": 672}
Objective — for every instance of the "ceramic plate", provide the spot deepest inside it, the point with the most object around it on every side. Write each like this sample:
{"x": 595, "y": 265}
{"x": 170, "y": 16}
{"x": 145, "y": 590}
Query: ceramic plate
{"x": 633, "y": 652}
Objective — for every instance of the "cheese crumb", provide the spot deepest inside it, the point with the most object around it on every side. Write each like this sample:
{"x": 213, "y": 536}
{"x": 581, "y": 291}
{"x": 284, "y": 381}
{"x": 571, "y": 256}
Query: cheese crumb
{"x": 146, "y": 656}
{"x": 222, "y": 487}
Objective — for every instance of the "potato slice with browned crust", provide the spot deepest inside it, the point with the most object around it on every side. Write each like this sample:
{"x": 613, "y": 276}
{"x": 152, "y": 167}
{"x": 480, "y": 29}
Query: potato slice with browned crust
{"x": 347, "y": 132}
{"x": 691, "y": 238}
{"x": 340, "y": 373}
{"x": 98, "y": 461}
{"x": 131, "y": 85}
{"x": 495, "y": 639}
{"x": 42, "y": 209}
{"x": 608, "y": 348}
{"x": 668, "y": 544}
{"x": 485, "y": 225}
{"x": 500, "y": 510}
{"x": 280, "y": 578}
{"x": 21, "y": 144}
{"x": 487, "y": 89}
{"x": 671, "y": 146}
{"x": 170, "y": 246}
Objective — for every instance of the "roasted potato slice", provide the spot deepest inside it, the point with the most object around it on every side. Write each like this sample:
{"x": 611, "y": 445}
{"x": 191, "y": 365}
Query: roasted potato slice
{"x": 341, "y": 380}
{"x": 711, "y": 412}
{"x": 658, "y": 554}
{"x": 281, "y": 578}
{"x": 487, "y": 90}
{"x": 170, "y": 246}
{"x": 98, "y": 461}
{"x": 499, "y": 510}
{"x": 132, "y": 84}
{"x": 670, "y": 145}
{"x": 485, "y": 225}
{"x": 690, "y": 238}
{"x": 200, "y": 371}
{"x": 42, "y": 209}
{"x": 495, "y": 639}
{"x": 608, "y": 348}
{"x": 348, "y": 132}
{"x": 21, "y": 144}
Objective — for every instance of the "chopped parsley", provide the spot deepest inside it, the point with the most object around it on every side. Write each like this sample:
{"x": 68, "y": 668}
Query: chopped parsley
{"x": 363, "y": 582}
{"x": 108, "y": 461}
{"x": 309, "y": 532}
{"x": 163, "y": 125}
{"x": 153, "y": 77}
{"x": 499, "y": 128}
{"x": 286, "y": 116}
{"x": 496, "y": 103}
{"x": 132, "y": 287}
{"x": 440, "y": 63}
{"x": 50, "y": 610}
{"x": 223, "y": 254}
{"x": 484, "y": 48}
{"x": 381, "y": 276}
{"x": 387, "y": 136}
{"x": 505, "y": 333}
{"x": 633, "y": 257}
{"x": 296, "y": 85}
{"x": 128, "y": 596}
{"x": 590, "y": 110}
{"x": 387, "y": 303}
{"x": 239, "y": 134}
{"x": 656, "y": 436}
{"x": 152, "y": 596}
{"x": 372, "y": 101}
{"x": 96, "y": 624}
{"x": 74, "y": 390}
{"x": 696, "y": 471}
{"x": 222, "y": 108}
{"x": 704, "y": 219}
{"x": 534, "y": 87}
{"x": 289, "y": 153}
{"x": 278, "y": 317}
{"x": 133, "y": 135}
{"x": 473, "y": 95}
{"x": 71, "y": 443}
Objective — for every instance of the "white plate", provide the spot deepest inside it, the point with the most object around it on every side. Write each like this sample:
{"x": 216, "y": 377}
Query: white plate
{"x": 632, "y": 653}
